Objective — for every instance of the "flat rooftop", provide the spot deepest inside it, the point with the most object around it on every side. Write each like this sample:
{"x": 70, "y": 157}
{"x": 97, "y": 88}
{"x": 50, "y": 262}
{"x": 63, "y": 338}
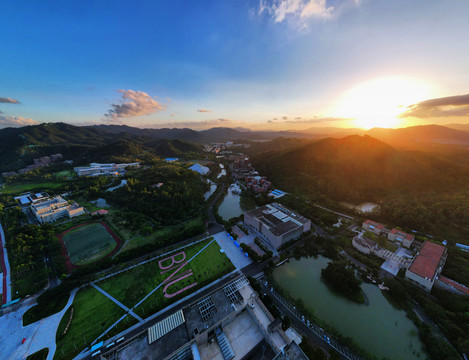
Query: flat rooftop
{"x": 425, "y": 264}
{"x": 158, "y": 350}
{"x": 279, "y": 219}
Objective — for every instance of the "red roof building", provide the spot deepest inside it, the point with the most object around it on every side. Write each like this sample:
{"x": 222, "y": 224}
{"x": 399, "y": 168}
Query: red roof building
{"x": 404, "y": 238}
{"x": 373, "y": 226}
{"x": 427, "y": 264}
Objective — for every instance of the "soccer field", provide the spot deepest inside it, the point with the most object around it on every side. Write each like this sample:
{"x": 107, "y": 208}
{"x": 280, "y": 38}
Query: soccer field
{"x": 88, "y": 242}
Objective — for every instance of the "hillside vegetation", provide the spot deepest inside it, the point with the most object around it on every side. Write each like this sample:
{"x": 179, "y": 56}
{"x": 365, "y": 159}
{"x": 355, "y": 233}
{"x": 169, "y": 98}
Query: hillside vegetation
{"x": 415, "y": 189}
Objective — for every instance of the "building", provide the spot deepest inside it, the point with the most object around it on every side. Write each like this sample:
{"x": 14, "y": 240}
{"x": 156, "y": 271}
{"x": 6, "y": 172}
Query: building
{"x": 97, "y": 169}
{"x": 373, "y": 226}
{"x": 402, "y": 237}
{"x": 225, "y": 321}
{"x": 202, "y": 170}
{"x": 277, "y": 224}
{"x": 258, "y": 184}
{"x": 427, "y": 265}
{"x": 51, "y": 209}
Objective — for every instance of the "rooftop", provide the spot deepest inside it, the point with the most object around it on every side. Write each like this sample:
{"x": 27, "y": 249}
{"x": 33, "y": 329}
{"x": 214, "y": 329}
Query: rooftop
{"x": 278, "y": 218}
{"x": 402, "y": 233}
{"x": 374, "y": 223}
{"x": 425, "y": 264}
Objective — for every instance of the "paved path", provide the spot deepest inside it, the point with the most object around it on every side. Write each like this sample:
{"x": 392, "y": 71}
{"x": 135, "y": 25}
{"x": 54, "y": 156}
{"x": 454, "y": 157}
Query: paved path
{"x": 235, "y": 254}
{"x": 149, "y": 294}
{"x": 5, "y": 269}
{"x": 117, "y": 302}
{"x": 38, "y": 335}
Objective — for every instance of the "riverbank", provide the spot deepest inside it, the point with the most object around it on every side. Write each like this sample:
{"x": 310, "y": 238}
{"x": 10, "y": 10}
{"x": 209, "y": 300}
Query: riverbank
{"x": 367, "y": 329}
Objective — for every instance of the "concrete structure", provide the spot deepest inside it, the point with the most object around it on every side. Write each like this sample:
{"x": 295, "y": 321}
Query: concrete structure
{"x": 52, "y": 209}
{"x": 402, "y": 237}
{"x": 277, "y": 223}
{"x": 230, "y": 322}
{"x": 96, "y": 169}
{"x": 202, "y": 170}
{"x": 373, "y": 226}
{"x": 427, "y": 265}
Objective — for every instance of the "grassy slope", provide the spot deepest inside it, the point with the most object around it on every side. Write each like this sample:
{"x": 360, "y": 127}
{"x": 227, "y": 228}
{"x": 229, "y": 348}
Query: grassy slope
{"x": 92, "y": 309}
{"x": 207, "y": 266}
{"x": 19, "y": 187}
{"x": 93, "y": 313}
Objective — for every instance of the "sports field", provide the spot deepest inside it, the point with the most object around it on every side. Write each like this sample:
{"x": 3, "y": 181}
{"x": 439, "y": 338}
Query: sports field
{"x": 88, "y": 242}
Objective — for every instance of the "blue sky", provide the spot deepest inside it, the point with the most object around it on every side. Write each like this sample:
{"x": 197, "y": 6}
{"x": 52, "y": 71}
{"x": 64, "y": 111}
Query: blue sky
{"x": 255, "y": 63}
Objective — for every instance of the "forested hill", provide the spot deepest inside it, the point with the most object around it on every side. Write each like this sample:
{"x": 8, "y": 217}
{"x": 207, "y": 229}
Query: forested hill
{"x": 358, "y": 168}
{"x": 19, "y": 146}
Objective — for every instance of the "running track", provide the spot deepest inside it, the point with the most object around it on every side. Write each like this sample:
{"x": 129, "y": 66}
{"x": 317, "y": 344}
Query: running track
{"x": 5, "y": 269}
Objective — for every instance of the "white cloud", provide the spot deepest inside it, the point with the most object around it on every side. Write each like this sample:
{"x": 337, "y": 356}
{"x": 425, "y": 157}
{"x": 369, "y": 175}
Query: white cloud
{"x": 203, "y": 110}
{"x": 304, "y": 9}
{"x": 135, "y": 103}
{"x": 16, "y": 121}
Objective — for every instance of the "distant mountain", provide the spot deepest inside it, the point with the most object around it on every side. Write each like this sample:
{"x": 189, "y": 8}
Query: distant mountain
{"x": 334, "y": 131}
{"x": 19, "y": 146}
{"x": 216, "y": 134}
{"x": 461, "y": 127}
{"x": 174, "y": 148}
{"x": 410, "y": 137}
{"x": 357, "y": 168}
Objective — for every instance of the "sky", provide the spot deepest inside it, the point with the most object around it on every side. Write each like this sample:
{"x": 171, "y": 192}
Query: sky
{"x": 264, "y": 64}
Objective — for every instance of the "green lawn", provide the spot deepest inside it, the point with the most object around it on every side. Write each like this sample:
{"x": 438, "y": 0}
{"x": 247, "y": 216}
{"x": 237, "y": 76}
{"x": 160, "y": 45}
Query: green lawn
{"x": 64, "y": 173}
{"x": 93, "y": 313}
{"x": 131, "y": 286}
{"x": 88, "y": 242}
{"x": 20, "y": 187}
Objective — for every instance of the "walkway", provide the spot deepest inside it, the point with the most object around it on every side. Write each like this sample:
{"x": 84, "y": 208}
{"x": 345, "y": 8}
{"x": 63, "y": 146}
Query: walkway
{"x": 117, "y": 302}
{"x": 5, "y": 269}
{"x": 148, "y": 295}
{"x": 234, "y": 253}
{"x": 38, "y": 335}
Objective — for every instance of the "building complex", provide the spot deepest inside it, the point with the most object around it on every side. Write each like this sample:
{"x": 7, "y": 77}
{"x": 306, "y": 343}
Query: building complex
{"x": 48, "y": 209}
{"x": 277, "y": 224}
{"x": 226, "y": 322}
{"x": 427, "y": 265}
{"x": 96, "y": 169}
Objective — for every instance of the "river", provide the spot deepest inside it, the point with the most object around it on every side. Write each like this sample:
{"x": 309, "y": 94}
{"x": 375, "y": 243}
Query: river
{"x": 230, "y": 207}
{"x": 378, "y": 327}
{"x": 209, "y": 193}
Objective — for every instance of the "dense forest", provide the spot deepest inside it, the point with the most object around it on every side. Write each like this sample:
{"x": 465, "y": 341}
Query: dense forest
{"x": 179, "y": 197}
{"x": 415, "y": 190}
{"x": 28, "y": 246}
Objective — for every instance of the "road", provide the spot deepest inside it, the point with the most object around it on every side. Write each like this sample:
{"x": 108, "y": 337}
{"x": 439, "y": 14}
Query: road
{"x": 313, "y": 332}
{"x": 215, "y": 227}
{"x": 6, "y": 297}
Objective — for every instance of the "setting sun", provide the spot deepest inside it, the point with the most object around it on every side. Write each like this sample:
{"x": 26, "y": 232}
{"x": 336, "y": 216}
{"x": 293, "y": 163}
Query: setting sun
{"x": 378, "y": 103}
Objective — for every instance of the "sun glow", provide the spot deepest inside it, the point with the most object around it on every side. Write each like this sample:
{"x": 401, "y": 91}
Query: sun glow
{"x": 379, "y": 102}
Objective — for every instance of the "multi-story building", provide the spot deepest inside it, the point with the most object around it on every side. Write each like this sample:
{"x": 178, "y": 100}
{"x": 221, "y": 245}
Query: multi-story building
{"x": 96, "y": 169}
{"x": 277, "y": 223}
{"x": 427, "y": 265}
{"x": 402, "y": 237}
{"x": 51, "y": 209}
{"x": 373, "y": 226}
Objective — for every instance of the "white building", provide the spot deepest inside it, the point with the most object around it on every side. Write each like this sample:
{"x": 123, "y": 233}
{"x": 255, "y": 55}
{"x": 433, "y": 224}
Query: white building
{"x": 96, "y": 169}
{"x": 203, "y": 170}
{"x": 277, "y": 223}
{"x": 52, "y": 209}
